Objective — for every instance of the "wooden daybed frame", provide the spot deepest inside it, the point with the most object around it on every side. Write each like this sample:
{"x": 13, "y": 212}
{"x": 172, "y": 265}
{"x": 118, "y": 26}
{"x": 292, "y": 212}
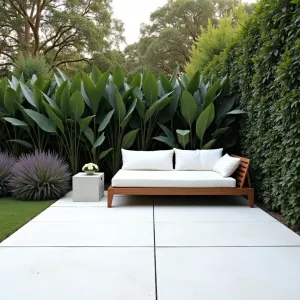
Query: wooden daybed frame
{"x": 241, "y": 175}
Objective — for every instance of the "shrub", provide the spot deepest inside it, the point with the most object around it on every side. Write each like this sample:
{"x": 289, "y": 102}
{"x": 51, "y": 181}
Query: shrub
{"x": 6, "y": 164}
{"x": 40, "y": 176}
{"x": 33, "y": 65}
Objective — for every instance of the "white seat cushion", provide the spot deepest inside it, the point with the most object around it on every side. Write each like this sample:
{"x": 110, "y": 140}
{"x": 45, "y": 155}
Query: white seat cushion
{"x": 192, "y": 179}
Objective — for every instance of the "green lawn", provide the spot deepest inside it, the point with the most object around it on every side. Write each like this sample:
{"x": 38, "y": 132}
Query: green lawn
{"x": 15, "y": 213}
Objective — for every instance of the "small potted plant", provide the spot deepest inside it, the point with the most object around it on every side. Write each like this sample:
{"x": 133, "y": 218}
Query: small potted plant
{"x": 90, "y": 168}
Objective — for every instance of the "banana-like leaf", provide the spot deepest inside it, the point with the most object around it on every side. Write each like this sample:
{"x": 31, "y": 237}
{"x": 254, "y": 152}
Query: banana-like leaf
{"x": 28, "y": 94}
{"x": 10, "y": 98}
{"x": 188, "y": 107}
{"x": 77, "y": 105}
{"x": 43, "y": 122}
{"x": 59, "y": 93}
{"x": 219, "y": 131}
{"x": 65, "y": 101}
{"x": 166, "y": 140}
{"x": 38, "y": 98}
{"x": 204, "y": 121}
{"x": 99, "y": 141}
{"x": 85, "y": 122}
{"x": 50, "y": 100}
{"x": 165, "y": 83}
{"x": 96, "y": 74}
{"x": 53, "y": 117}
{"x": 40, "y": 82}
{"x": 183, "y": 137}
{"x": 76, "y": 84}
{"x": 21, "y": 142}
{"x": 193, "y": 85}
{"x": 157, "y": 106}
{"x": 118, "y": 77}
{"x": 58, "y": 80}
{"x": 208, "y": 145}
{"x": 91, "y": 92}
{"x": 185, "y": 80}
{"x": 106, "y": 120}
{"x": 63, "y": 75}
{"x": 88, "y": 132}
{"x": 120, "y": 107}
{"x": 236, "y": 112}
{"x": 167, "y": 132}
{"x": 211, "y": 93}
{"x": 137, "y": 81}
{"x": 223, "y": 108}
{"x": 150, "y": 88}
{"x": 129, "y": 114}
{"x": 129, "y": 138}
{"x": 104, "y": 153}
{"x": 174, "y": 76}
{"x": 16, "y": 122}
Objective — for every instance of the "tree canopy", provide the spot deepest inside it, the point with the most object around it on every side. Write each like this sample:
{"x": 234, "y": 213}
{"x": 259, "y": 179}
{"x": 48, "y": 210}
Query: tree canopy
{"x": 65, "y": 31}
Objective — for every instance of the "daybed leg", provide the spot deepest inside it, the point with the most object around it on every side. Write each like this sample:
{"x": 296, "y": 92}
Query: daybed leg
{"x": 110, "y": 195}
{"x": 251, "y": 198}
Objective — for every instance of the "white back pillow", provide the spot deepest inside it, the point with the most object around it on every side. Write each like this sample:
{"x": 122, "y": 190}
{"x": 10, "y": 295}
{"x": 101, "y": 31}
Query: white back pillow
{"x": 196, "y": 160}
{"x": 147, "y": 160}
{"x": 226, "y": 165}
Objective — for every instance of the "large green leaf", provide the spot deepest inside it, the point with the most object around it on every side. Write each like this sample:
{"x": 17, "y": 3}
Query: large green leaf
{"x": 166, "y": 140}
{"x": 77, "y": 105}
{"x": 21, "y": 142}
{"x": 157, "y": 106}
{"x": 65, "y": 101}
{"x": 96, "y": 74}
{"x": 188, "y": 107}
{"x": 137, "y": 80}
{"x": 16, "y": 122}
{"x": 174, "y": 76}
{"x": 99, "y": 141}
{"x": 167, "y": 132}
{"x": 236, "y": 112}
{"x": 219, "y": 131}
{"x": 193, "y": 85}
{"x": 43, "y": 122}
{"x": 129, "y": 114}
{"x": 88, "y": 132}
{"x": 40, "y": 82}
{"x": 204, "y": 121}
{"x": 150, "y": 88}
{"x": 50, "y": 100}
{"x": 165, "y": 83}
{"x": 59, "y": 93}
{"x": 91, "y": 92}
{"x": 38, "y": 98}
{"x": 129, "y": 138}
{"x": 53, "y": 117}
{"x": 208, "y": 145}
{"x": 85, "y": 122}
{"x": 183, "y": 137}
{"x": 211, "y": 93}
{"x": 76, "y": 84}
{"x": 106, "y": 120}
{"x": 224, "y": 107}
{"x": 118, "y": 77}
{"x": 120, "y": 107}
{"x": 63, "y": 75}
{"x": 104, "y": 153}
{"x": 28, "y": 94}
{"x": 10, "y": 97}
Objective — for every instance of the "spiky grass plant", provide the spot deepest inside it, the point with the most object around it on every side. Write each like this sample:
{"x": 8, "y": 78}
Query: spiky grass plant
{"x": 40, "y": 176}
{"x": 6, "y": 164}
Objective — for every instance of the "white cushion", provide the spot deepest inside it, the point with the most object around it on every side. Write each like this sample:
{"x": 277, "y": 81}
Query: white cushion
{"x": 147, "y": 160}
{"x": 172, "y": 179}
{"x": 226, "y": 165}
{"x": 197, "y": 160}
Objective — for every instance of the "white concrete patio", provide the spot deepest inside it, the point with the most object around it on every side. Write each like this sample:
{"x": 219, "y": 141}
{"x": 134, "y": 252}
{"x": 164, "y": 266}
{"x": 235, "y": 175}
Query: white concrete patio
{"x": 166, "y": 248}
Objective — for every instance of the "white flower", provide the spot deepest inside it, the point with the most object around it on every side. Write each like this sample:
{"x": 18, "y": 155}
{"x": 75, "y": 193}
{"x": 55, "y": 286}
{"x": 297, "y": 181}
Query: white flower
{"x": 90, "y": 168}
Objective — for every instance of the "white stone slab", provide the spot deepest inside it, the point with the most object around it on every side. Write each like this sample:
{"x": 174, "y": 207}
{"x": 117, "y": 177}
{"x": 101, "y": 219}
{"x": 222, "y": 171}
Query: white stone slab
{"x": 228, "y": 273}
{"x": 77, "y": 273}
{"x": 118, "y": 201}
{"x": 224, "y": 234}
{"x": 210, "y": 213}
{"x": 127, "y": 214}
{"x": 82, "y": 234}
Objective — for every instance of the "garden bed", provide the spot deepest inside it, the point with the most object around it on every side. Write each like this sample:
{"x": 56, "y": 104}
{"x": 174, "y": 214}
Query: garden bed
{"x": 15, "y": 213}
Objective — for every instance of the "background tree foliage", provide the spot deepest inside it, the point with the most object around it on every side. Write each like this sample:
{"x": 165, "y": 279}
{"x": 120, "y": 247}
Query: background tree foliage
{"x": 65, "y": 32}
{"x": 263, "y": 63}
{"x": 165, "y": 43}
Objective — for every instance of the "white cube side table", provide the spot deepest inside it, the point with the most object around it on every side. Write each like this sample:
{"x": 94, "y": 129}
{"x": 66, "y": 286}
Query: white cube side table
{"x": 88, "y": 188}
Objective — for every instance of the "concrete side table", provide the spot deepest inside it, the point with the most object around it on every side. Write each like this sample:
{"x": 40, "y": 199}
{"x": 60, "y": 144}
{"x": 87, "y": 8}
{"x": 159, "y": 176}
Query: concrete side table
{"x": 88, "y": 188}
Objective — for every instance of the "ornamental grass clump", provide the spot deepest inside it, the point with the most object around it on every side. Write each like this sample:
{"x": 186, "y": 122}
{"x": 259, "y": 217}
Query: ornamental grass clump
{"x": 40, "y": 176}
{"x": 6, "y": 164}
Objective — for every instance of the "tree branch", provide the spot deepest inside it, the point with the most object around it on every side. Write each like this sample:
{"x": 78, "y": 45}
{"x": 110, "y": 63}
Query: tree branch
{"x": 74, "y": 60}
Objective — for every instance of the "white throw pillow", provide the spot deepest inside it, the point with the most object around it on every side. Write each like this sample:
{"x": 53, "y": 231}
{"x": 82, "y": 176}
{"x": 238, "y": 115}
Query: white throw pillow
{"x": 147, "y": 160}
{"x": 196, "y": 160}
{"x": 226, "y": 165}
{"x": 187, "y": 160}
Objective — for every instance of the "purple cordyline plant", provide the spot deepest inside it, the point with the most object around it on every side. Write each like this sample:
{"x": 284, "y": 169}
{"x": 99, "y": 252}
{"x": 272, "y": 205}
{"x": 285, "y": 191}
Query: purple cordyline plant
{"x": 40, "y": 176}
{"x": 7, "y": 162}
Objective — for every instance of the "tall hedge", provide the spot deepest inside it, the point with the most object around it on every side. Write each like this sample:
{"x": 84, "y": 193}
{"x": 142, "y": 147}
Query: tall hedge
{"x": 263, "y": 63}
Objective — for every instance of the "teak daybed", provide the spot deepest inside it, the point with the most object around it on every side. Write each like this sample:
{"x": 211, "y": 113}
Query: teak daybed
{"x": 181, "y": 182}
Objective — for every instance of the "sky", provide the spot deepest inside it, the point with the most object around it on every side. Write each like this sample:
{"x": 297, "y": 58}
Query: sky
{"x": 135, "y": 12}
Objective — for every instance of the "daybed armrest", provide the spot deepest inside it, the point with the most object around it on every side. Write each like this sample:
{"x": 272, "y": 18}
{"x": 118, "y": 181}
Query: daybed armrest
{"x": 242, "y": 172}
